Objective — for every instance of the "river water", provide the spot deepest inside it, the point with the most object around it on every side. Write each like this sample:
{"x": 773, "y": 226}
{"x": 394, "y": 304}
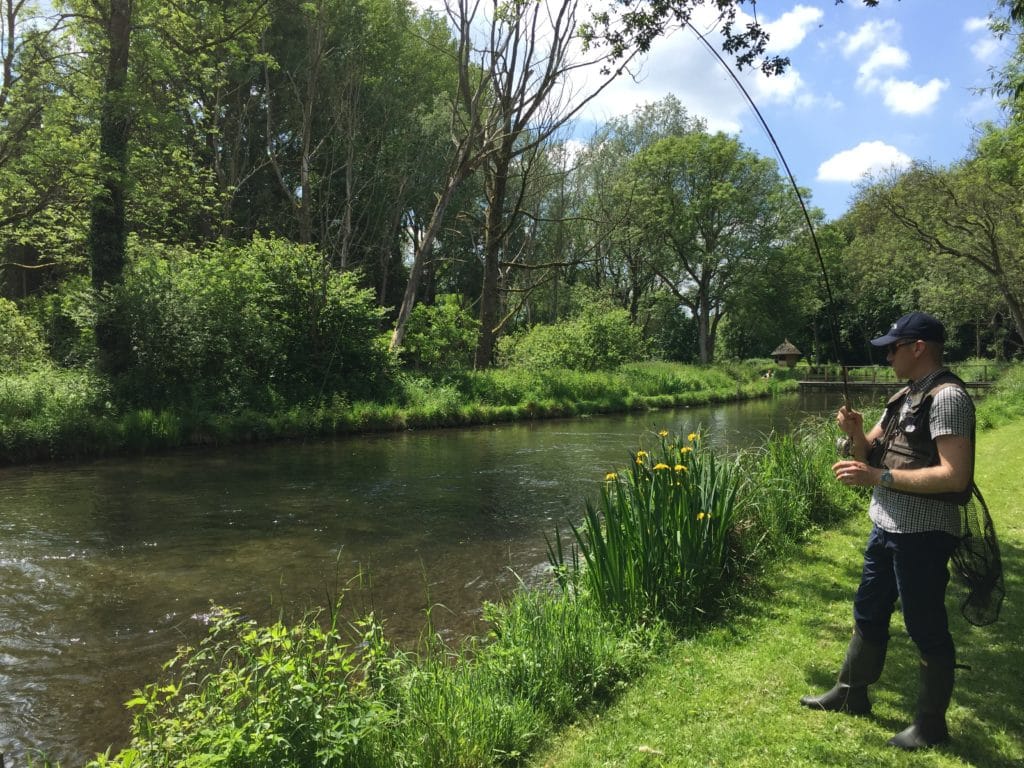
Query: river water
{"x": 107, "y": 566}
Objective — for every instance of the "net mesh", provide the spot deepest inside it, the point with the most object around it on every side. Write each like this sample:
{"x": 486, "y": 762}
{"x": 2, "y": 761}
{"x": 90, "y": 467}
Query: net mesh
{"x": 977, "y": 565}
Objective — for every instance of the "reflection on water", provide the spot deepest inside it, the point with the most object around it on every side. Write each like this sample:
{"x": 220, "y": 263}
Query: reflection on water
{"x": 106, "y": 567}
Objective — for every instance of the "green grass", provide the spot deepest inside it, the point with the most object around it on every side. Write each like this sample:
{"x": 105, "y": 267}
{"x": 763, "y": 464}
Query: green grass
{"x": 54, "y": 413}
{"x": 729, "y": 697}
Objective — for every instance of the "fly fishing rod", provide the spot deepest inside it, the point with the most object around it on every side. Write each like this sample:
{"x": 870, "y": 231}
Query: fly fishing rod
{"x": 800, "y": 198}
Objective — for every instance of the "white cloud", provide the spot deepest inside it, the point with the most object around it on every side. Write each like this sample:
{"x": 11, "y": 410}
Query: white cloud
{"x": 868, "y": 35}
{"x": 851, "y": 165}
{"x": 908, "y": 98}
{"x": 976, "y": 24}
{"x": 884, "y": 56}
{"x": 987, "y": 50}
{"x": 790, "y": 29}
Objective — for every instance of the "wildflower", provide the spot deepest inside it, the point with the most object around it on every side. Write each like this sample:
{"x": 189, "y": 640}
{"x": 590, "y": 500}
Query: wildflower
{"x": 692, "y": 437}
{"x": 701, "y": 515}
{"x": 681, "y": 468}
{"x": 640, "y": 456}
{"x": 663, "y": 433}
{"x": 661, "y": 466}
{"x": 611, "y": 476}
{"x": 685, "y": 449}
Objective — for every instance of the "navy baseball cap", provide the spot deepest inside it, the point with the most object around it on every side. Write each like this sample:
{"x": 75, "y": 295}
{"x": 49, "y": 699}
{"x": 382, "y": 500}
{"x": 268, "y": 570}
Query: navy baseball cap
{"x": 913, "y": 325}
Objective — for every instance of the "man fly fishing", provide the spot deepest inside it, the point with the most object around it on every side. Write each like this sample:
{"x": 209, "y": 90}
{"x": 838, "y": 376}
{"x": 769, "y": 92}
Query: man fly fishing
{"x": 919, "y": 459}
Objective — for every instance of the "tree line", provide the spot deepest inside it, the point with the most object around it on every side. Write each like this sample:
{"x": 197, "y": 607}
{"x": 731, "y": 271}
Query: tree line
{"x": 367, "y": 168}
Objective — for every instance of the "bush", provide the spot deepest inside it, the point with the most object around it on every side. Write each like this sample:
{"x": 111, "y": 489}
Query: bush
{"x": 21, "y": 343}
{"x": 440, "y": 338}
{"x": 68, "y": 319}
{"x": 236, "y": 327}
{"x": 599, "y": 338}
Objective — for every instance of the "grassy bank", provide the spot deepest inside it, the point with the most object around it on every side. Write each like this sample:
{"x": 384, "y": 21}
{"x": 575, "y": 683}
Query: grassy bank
{"x": 55, "y": 413}
{"x": 729, "y": 696}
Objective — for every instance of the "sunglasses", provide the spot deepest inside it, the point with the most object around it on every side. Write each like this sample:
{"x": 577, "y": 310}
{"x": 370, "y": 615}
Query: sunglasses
{"x": 891, "y": 349}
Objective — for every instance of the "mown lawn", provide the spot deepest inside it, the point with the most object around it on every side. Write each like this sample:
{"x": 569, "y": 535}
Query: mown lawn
{"x": 729, "y": 697}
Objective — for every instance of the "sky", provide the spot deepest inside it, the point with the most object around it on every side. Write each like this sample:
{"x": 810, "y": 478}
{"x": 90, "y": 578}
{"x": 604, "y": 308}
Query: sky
{"x": 868, "y": 89}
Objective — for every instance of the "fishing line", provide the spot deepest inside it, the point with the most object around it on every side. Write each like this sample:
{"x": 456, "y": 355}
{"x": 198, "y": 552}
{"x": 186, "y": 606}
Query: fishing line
{"x": 800, "y": 198}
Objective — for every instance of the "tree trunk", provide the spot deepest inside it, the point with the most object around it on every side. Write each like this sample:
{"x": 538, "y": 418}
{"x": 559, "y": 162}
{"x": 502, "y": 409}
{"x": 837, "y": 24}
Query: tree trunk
{"x": 425, "y": 252}
{"x": 703, "y": 330}
{"x": 107, "y": 227}
{"x": 489, "y": 294}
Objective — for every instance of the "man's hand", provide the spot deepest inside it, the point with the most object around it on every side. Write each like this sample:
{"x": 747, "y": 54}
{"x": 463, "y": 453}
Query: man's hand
{"x": 850, "y": 421}
{"x": 856, "y": 473}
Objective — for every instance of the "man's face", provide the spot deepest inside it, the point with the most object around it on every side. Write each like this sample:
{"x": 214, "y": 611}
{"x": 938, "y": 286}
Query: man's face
{"x": 901, "y": 357}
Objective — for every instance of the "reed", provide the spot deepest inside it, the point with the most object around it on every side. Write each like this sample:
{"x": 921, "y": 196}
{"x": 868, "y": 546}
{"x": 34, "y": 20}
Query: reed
{"x": 657, "y": 545}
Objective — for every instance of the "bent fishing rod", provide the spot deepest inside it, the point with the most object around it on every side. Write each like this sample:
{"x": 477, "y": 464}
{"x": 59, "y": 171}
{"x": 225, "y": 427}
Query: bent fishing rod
{"x": 800, "y": 198}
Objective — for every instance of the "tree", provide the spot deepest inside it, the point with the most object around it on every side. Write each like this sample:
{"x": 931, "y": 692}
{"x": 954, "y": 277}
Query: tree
{"x": 621, "y": 261}
{"x": 43, "y": 178}
{"x": 970, "y": 212}
{"x": 107, "y": 227}
{"x": 711, "y": 210}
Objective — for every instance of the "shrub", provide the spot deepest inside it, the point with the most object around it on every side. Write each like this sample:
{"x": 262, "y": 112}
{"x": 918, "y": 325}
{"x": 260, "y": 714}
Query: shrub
{"x": 599, "y": 338}
{"x": 236, "y": 327}
{"x": 253, "y": 697}
{"x": 21, "y": 343}
{"x": 68, "y": 319}
{"x": 440, "y": 338}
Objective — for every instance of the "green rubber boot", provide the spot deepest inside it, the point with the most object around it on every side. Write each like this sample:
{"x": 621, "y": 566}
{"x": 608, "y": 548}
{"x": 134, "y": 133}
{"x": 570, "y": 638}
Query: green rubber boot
{"x": 861, "y": 667}
{"x": 929, "y": 726}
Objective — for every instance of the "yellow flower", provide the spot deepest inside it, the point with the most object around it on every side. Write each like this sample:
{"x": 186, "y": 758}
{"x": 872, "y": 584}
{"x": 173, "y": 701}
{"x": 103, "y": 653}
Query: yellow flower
{"x": 681, "y": 468}
{"x": 685, "y": 449}
{"x": 663, "y": 433}
{"x": 701, "y": 515}
{"x": 661, "y": 466}
{"x": 641, "y": 454}
{"x": 611, "y": 476}
{"x": 692, "y": 436}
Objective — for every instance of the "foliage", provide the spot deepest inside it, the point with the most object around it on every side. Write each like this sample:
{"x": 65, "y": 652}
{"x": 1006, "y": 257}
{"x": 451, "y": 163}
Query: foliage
{"x": 659, "y": 546}
{"x": 440, "y": 338}
{"x": 302, "y": 695}
{"x": 256, "y": 696}
{"x": 235, "y": 327}
{"x": 711, "y": 214}
{"x": 599, "y": 338}
{"x": 67, "y": 316}
{"x": 1005, "y": 402}
{"x": 21, "y": 344}
{"x": 45, "y": 410}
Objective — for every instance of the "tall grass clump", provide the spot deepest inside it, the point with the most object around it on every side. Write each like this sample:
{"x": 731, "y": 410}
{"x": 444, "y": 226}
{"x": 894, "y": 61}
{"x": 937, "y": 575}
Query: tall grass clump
{"x": 790, "y": 491}
{"x": 50, "y": 412}
{"x": 657, "y": 545}
{"x": 1005, "y": 402}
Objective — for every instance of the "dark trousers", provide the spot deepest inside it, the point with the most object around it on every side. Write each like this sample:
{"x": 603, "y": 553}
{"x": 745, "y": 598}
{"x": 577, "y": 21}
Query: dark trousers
{"x": 913, "y": 567}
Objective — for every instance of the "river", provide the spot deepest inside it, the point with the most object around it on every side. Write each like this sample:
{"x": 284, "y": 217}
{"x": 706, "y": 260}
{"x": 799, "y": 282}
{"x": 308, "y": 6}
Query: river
{"x": 107, "y": 566}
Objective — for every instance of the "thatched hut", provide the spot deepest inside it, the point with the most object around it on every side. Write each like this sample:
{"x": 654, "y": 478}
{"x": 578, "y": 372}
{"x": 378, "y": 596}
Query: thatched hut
{"x": 786, "y": 354}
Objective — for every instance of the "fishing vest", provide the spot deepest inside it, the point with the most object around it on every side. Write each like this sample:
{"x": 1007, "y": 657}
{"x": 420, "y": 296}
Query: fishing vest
{"x": 906, "y": 441}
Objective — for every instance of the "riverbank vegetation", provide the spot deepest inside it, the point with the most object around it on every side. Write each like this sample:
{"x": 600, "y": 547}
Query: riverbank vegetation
{"x": 313, "y": 692}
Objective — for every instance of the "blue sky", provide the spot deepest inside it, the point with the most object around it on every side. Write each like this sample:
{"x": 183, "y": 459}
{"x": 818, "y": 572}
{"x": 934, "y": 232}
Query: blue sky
{"x": 868, "y": 88}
